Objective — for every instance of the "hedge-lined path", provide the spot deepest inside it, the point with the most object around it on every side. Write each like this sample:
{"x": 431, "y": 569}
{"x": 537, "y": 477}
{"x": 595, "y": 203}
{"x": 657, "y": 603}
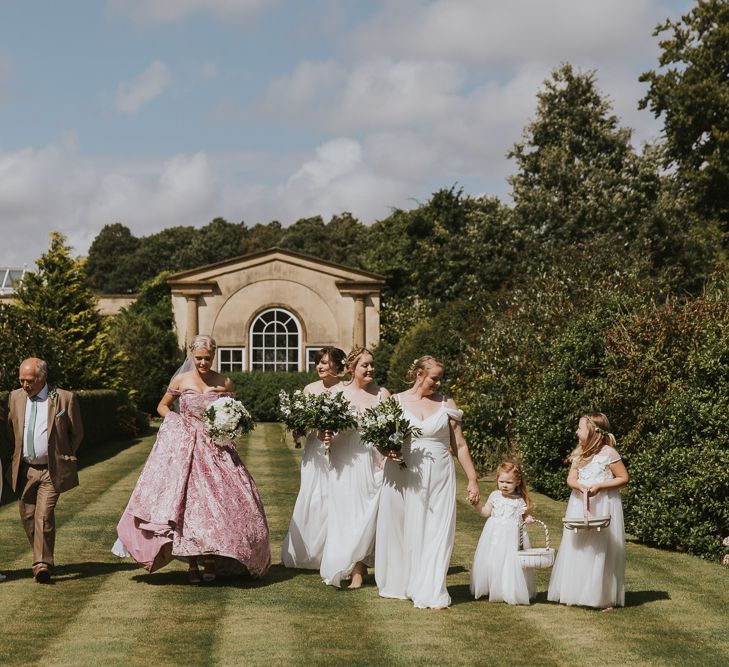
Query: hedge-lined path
{"x": 102, "y": 610}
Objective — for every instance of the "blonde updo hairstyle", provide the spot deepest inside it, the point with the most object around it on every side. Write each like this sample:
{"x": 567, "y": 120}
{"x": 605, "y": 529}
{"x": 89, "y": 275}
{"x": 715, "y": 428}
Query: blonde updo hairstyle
{"x": 420, "y": 364}
{"x": 599, "y": 436}
{"x": 352, "y": 359}
{"x": 203, "y": 342}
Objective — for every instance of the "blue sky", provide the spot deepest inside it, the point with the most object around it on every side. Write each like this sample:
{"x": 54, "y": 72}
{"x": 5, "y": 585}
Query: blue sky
{"x": 156, "y": 113}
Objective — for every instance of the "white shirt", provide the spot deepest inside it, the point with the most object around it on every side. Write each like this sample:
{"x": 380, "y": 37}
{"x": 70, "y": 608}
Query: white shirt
{"x": 40, "y": 433}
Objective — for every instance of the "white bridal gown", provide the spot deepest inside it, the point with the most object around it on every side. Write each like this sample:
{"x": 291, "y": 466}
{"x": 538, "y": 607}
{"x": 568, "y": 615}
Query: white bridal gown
{"x": 417, "y": 519}
{"x": 496, "y": 570}
{"x": 303, "y": 545}
{"x": 355, "y": 482}
{"x": 590, "y": 565}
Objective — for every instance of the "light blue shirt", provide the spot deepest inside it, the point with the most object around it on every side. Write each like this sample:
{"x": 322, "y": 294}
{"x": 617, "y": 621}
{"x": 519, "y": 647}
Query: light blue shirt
{"x": 41, "y": 428}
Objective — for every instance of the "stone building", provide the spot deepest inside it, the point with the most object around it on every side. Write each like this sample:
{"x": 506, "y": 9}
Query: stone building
{"x": 273, "y": 309}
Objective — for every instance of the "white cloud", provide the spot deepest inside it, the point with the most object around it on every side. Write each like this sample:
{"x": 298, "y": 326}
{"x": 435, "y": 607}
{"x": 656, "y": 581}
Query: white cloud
{"x": 493, "y": 31}
{"x": 132, "y": 95}
{"x": 338, "y": 179}
{"x": 163, "y": 11}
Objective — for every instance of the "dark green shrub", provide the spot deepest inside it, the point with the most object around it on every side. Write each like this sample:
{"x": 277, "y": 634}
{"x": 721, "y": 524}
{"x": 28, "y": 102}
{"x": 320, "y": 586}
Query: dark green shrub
{"x": 259, "y": 391}
{"x": 108, "y": 415}
{"x": 143, "y": 335}
{"x": 678, "y": 495}
{"x": 545, "y": 423}
{"x": 444, "y": 336}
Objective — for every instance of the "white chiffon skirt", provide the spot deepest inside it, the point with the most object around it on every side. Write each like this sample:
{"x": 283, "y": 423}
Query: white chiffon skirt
{"x": 416, "y": 526}
{"x": 496, "y": 570}
{"x": 303, "y": 545}
{"x": 355, "y": 482}
{"x": 590, "y": 565}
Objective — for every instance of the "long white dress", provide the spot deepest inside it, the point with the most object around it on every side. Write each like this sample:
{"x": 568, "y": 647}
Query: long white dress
{"x": 303, "y": 545}
{"x": 416, "y": 524}
{"x": 355, "y": 482}
{"x": 496, "y": 571}
{"x": 590, "y": 565}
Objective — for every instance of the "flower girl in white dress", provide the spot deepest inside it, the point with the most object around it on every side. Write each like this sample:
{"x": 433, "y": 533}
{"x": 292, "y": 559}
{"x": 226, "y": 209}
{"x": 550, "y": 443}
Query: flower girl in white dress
{"x": 496, "y": 570}
{"x": 590, "y": 565}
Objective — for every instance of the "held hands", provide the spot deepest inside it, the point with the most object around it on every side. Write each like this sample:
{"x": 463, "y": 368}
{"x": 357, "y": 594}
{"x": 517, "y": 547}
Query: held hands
{"x": 473, "y": 493}
{"x": 529, "y": 519}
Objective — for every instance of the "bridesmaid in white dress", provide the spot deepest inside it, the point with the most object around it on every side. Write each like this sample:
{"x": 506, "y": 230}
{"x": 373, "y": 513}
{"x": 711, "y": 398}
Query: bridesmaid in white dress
{"x": 303, "y": 545}
{"x": 417, "y": 518}
{"x": 590, "y": 565}
{"x": 355, "y": 482}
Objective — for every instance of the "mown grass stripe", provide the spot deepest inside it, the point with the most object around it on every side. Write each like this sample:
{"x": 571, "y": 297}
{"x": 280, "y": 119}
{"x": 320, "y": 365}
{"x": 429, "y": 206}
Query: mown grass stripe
{"x": 105, "y": 610}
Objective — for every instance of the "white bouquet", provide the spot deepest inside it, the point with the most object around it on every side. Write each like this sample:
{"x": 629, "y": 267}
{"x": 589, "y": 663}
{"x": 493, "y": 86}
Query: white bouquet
{"x": 227, "y": 420}
{"x": 385, "y": 427}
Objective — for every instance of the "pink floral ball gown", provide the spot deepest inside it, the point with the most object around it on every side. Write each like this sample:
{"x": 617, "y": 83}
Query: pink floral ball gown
{"x": 195, "y": 498}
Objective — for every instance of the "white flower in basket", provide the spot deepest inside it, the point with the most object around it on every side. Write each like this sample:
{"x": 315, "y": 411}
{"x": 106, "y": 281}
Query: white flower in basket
{"x": 227, "y": 420}
{"x": 586, "y": 521}
{"x": 535, "y": 557}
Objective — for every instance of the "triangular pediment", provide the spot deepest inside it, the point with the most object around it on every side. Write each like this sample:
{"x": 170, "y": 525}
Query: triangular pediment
{"x": 212, "y": 272}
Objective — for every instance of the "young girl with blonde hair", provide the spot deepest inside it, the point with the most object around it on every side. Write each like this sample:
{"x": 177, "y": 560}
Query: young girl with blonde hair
{"x": 496, "y": 570}
{"x": 590, "y": 565}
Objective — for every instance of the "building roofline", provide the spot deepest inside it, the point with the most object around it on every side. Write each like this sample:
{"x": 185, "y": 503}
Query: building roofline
{"x": 175, "y": 277}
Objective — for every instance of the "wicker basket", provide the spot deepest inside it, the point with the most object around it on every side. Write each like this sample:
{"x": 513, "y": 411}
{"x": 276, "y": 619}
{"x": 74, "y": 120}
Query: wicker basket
{"x": 586, "y": 521}
{"x": 539, "y": 558}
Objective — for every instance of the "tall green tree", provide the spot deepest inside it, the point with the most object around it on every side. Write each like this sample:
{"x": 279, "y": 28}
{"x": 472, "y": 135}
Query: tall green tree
{"x": 144, "y": 335}
{"x": 576, "y": 171}
{"x": 690, "y": 92}
{"x": 109, "y": 255}
{"x": 56, "y": 298}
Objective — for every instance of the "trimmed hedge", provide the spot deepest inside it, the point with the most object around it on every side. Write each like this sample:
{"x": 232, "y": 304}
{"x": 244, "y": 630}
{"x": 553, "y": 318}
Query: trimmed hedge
{"x": 106, "y": 414}
{"x": 258, "y": 391}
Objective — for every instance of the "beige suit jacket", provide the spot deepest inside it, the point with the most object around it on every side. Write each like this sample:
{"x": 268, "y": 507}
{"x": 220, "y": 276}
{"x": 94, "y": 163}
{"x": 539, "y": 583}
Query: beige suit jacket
{"x": 65, "y": 432}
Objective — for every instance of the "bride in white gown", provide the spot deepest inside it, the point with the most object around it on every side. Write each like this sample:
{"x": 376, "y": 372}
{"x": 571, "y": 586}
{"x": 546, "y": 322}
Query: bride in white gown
{"x": 417, "y": 517}
{"x": 303, "y": 545}
{"x": 355, "y": 482}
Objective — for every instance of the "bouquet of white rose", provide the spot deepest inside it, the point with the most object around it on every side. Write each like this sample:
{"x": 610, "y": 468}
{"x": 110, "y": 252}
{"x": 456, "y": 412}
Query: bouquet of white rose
{"x": 330, "y": 411}
{"x": 227, "y": 420}
{"x": 385, "y": 427}
{"x": 295, "y": 411}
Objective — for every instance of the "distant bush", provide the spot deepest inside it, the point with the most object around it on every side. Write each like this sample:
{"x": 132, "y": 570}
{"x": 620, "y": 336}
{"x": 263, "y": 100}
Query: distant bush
{"x": 444, "y": 336}
{"x": 108, "y": 415}
{"x": 258, "y": 391}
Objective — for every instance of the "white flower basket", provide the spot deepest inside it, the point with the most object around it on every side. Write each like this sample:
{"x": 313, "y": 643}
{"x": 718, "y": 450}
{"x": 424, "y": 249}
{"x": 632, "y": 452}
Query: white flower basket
{"x": 586, "y": 521}
{"x": 536, "y": 557}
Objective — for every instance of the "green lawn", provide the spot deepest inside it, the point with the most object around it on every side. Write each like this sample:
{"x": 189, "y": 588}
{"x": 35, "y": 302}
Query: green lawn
{"x": 104, "y": 611}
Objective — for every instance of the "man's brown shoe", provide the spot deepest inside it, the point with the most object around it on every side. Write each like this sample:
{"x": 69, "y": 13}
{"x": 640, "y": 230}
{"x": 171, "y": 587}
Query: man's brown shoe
{"x": 42, "y": 573}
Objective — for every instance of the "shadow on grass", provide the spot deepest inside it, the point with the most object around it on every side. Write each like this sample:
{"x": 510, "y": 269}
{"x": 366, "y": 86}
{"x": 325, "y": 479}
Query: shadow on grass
{"x": 72, "y": 571}
{"x": 277, "y": 574}
{"x": 637, "y": 598}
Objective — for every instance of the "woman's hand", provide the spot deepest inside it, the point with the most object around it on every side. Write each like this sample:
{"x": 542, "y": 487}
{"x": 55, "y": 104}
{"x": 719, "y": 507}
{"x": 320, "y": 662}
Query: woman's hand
{"x": 529, "y": 519}
{"x": 326, "y": 435}
{"x": 594, "y": 490}
{"x": 473, "y": 493}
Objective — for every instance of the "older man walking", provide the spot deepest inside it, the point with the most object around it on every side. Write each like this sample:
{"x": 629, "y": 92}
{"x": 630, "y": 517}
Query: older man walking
{"x": 46, "y": 430}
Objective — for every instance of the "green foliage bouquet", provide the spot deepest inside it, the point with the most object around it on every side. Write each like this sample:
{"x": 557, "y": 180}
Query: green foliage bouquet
{"x": 295, "y": 411}
{"x": 227, "y": 420}
{"x": 385, "y": 427}
{"x": 330, "y": 411}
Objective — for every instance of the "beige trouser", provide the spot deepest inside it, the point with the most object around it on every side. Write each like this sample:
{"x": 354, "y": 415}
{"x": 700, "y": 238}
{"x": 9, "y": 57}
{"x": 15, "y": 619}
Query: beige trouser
{"x": 37, "y": 503}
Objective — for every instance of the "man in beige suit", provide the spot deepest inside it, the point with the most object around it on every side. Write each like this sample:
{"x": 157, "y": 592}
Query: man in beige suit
{"x": 46, "y": 430}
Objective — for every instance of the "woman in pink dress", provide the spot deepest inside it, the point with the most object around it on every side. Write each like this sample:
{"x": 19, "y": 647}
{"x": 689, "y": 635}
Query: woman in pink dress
{"x": 195, "y": 500}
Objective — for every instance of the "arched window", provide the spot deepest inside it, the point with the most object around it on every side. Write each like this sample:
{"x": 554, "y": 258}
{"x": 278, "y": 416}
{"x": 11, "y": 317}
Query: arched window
{"x": 274, "y": 340}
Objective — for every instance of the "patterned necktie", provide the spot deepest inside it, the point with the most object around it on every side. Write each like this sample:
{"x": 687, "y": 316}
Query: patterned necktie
{"x": 30, "y": 438}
